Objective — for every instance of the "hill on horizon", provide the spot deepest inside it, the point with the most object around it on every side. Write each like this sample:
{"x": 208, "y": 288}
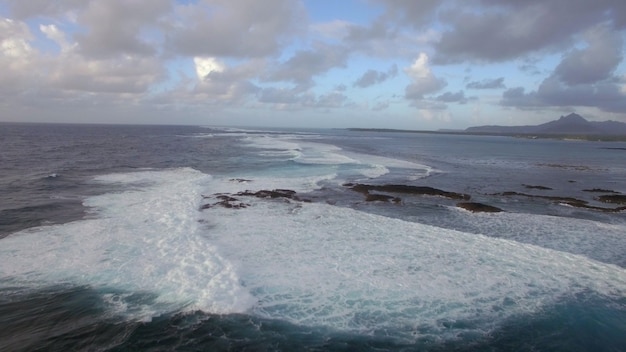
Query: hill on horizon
{"x": 572, "y": 124}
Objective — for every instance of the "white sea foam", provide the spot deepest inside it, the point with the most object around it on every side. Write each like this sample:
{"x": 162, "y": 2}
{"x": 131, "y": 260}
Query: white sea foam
{"x": 142, "y": 239}
{"x": 304, "y": 151}
{"x": 310, "y": 264}
{"x": 593, "y": 239}
{"x": 316, "y": 264}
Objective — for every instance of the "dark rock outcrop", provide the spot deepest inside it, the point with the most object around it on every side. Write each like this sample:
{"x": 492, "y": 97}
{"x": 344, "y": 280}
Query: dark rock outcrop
{"x": 240, "y": 180}
{"x": 613, "y": 198}
{"x": 406, "y": 189}
{"x": 478, "y": 207}
{"x": 381, "y": 198}
{"x": 226, "y": 202}
{"x": 544, "y": 188}
{"x": 599, "y": 190}
{"x": 276, "y": 193}
{"x": 574, "y": 202}
{"x": 229, "y": 201}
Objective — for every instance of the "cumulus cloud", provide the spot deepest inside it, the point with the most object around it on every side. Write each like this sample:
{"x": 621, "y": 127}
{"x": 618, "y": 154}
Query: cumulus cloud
{"x": 273, "y": 95}
{"x": 130, "y": 18}
{"x": 25, "y": 9}
{"x": 124, "y": 75}
{"x": 218, "y": 82}
{"x": 584, "y": 77}
{"x": 306, "y": 64}
{"x": 294, "y": 99}
{"x": 606, "y": 95}
{"x": 507, "y": 29}
{"x": 414, "y": 13}
{"x": 16, "y": 57}
{"x": 594, "y": 63}
{"x": 331, "y": 100}
{"x": 272, "y": 54}
{"x": 28, "y": 69}
{"x": 53, "y": 33}
{"x": 519, "y": 98}
{"x": 423, "y": 79}
{"x": 14, "y": 39}
{"x": 495, "y": 83}
{"x": 372, "y": 77}
{"x": 449, "y": 97}
{"x": 205, "y": 65}
{"x": 234, "y": 28}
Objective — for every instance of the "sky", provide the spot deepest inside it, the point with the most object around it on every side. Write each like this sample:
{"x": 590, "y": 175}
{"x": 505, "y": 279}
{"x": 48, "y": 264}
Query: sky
{"x": 406, "y": 64}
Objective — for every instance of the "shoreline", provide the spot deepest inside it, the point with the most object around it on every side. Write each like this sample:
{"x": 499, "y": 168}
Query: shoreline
{"x": 564, "y": 137}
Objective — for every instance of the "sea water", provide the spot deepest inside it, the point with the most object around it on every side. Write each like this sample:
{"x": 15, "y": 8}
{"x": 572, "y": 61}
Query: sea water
{"x": 114, "y": 238}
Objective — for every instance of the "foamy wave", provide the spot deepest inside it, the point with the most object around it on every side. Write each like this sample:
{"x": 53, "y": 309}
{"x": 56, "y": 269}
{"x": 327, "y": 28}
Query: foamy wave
{"x": 316, "y": 264}
{"x": 303, "y": 151}
{"x": 144, "y": 238}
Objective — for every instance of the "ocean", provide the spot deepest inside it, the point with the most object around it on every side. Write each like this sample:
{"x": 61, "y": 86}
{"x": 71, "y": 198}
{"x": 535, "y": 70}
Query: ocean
{"x": 185, "y": 238}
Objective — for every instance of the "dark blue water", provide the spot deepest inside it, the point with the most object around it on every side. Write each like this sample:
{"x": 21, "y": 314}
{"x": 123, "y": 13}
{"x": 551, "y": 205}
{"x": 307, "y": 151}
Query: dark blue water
{"x": 105, "y": 245}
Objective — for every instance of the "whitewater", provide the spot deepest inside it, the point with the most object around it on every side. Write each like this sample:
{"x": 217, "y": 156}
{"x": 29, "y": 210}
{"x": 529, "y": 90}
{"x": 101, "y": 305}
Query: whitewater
{"x": 151, "y": 245}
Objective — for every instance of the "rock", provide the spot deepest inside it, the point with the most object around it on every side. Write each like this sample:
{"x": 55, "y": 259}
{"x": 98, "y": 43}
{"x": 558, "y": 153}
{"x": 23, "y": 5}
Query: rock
{"x": 382, "y": 198}
{"x": 599, "y": 190}
{"x": 578, "y": 203}
{"x": 613, "y": 198}
{"x": 277, "y": 193}
{"x": 478, "y": 207}
{"x": 406, "y": 189}
{"x": 538, "y": 187}
{"x": 226, "y": 201}
{"x": 239, "y": 180}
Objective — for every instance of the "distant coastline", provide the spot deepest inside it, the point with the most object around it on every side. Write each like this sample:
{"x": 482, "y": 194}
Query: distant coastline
{"x": 581, "y": 137}
{"x": 570, "y": 127}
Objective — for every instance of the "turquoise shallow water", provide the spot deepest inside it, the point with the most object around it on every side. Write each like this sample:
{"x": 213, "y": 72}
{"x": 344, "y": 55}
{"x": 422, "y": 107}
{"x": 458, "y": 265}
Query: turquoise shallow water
{"x": 112, "y": 240}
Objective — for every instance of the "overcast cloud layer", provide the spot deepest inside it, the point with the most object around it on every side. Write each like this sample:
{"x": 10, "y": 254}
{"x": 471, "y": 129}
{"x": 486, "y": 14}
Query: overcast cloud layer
{"x": 365, "y": 63}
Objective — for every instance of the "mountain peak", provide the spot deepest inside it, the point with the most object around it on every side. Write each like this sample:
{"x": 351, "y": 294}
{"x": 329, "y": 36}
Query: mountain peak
{"x": 572, "y": 124}
{"x": 573, "y": 117}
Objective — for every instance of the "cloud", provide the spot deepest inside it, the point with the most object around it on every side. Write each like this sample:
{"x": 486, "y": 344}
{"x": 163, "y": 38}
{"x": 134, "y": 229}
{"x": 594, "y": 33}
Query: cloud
{"x": 414, "y": 13}
{"x": 16, "y": 57}
{"x": 517, "y": 97}
{"x": 594, "y": 63}
{"x": 506, "y": 29}
{"x": 53, "y": 33}
{"x": 124, "y": 75}
{"x": 607, "y": 96}
{"x": 372, "y": 77}
{"x": 449, "y": 97}
{"x": 218, "y": 82}
{"x": 377, "y": 30}
{"x": 294, "y": 99}
{"x": 584, "y": 77}
{"x": 423, "y": 80}
{"x": 28, "y": 69}
{"x": 495, "y": 83}
{"x": 130, "y": 19}
{"x": 306, "y": 64}
{"x": 331, "y": 100}
{"x": 207, "y": 56}
{"x": 234, "y": 28}
{"x": 273, "y": 95}
{"x": 205, "y": 65}
{"x": 14, "y": 39}
{"x": 26, "y": 9}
